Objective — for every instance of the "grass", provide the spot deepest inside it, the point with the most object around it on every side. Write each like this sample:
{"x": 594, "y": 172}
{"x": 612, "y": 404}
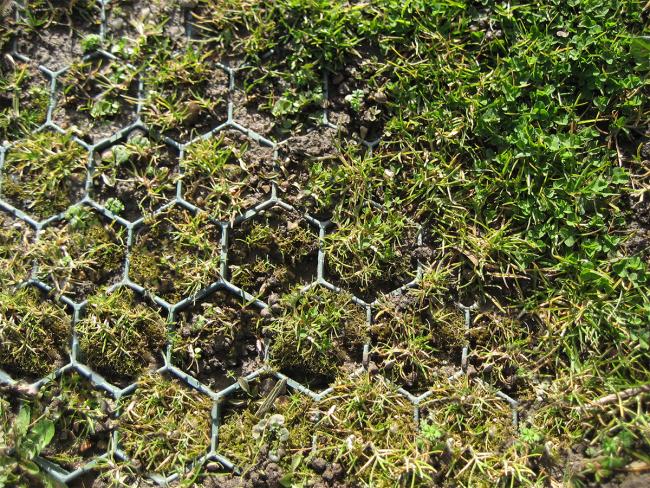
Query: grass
{"x": 44, "y": 174}
{"x": 138, "y": 175}
{"x": 15, "y": 241}
{"x": 316, "y": 335}
{"x": 176, "y": 253}
{"x": 514, "y": 135}
{"x": 34, "y": 331}
{"x": 164, "y": 425}
{"x": 369, "y": 248}
{"x": 220, "y": 176}
{"x": 119, "y": 335}
{"x": 84, "y": 253}
{"x": 25, "y": 100}
{"x": 187, "y": 93}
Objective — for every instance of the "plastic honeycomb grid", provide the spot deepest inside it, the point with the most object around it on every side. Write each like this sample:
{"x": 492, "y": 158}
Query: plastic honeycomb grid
{"x": 101, "y": 383}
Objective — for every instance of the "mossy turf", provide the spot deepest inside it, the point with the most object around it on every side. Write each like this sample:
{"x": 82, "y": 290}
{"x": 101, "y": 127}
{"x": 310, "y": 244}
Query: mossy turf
{"x": 493, "y": 157}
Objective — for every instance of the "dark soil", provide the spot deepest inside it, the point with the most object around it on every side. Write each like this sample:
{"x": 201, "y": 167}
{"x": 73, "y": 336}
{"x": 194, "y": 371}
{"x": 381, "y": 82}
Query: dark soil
{"x": 96, "y": 98}
{"x": 57, "y": 43}
{"x": 296, "y": 156}
{"x": 364, "y": 113}
{"x": 143, "y": 181}
{"x": 282, "y": 252}
{"x": 242, "y": 182}
{"x": 215, "y": 340}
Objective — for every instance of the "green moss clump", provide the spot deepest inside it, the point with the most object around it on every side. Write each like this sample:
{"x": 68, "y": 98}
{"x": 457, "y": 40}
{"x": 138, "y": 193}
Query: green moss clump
{"x": 414, "y": 345}
{"x": 34, "y": 333}
{"x": 44, "y": 174}
{"x": 81, "y": 256}
{"x": 317, "y": 333}
{"x": 166, "y": 424}
{"x": 176, "y": 253}
{"x": 371, "y": 249}
{"x": 119, "y": 335}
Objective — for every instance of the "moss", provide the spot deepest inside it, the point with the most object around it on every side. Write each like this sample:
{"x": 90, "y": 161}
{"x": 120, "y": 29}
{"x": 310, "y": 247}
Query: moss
{"x": 119, "y": 335}
{"x": 247, "y": 439}
{"x": 24, "y": 100}
{"x": 221, "y": 176}
{"x": 34, "y": 333}
{"x": 370, "y": 249}
{"x": 316, "y": 334}
{"x": 166, "y": 424}
{"x": 15, "y": 241}
{"x": 81, "y": 256}
{"x": 414, "y": 345}
{"x": 176, "y": 253}
{"x": 272, "y": 251}
{"x": 44, "y": 174}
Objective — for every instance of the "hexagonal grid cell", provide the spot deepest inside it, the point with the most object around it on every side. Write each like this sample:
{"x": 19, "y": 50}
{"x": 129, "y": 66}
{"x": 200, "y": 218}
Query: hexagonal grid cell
{"x": 499, "y": 342}
{"x": 461, "y": 418}
{"x": 83, "y": 252}
{"x": 54, "y": 34}
{"x": 272, "y": 251}
{"x": 186, "y": 94}
{"x": 226, "y": 174}
{"x": 217, "y": 340}
{"x": 134, "y": 176}
{"x": 24, "y": 99}
{"x": 164, "y": 425}
{"x": 82, "y": 417}
{"x": 268, "y": 411}
{"x": 134, "y": 28}
{"x": 97, "y": 96}
{"x": 416, "y": 344}
{"x": 371, "y": 250}
{"x": 176, "y": 253}
{"x": 44, "y": 174}
{"x": 34, "y": 333}
{"x": 120, "y": 334}
{"x": 16, "y": 238}
{"x": 316, "y": 335}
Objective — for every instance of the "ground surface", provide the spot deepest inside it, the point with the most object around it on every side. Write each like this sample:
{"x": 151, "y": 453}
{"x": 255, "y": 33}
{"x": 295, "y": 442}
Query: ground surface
{"x": 324, "y": 243}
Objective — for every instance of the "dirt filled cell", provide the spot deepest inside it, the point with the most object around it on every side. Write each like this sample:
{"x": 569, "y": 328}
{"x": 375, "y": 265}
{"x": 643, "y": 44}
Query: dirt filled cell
{"x": 216, "y": 340}
{"x": 272, "y": 252}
